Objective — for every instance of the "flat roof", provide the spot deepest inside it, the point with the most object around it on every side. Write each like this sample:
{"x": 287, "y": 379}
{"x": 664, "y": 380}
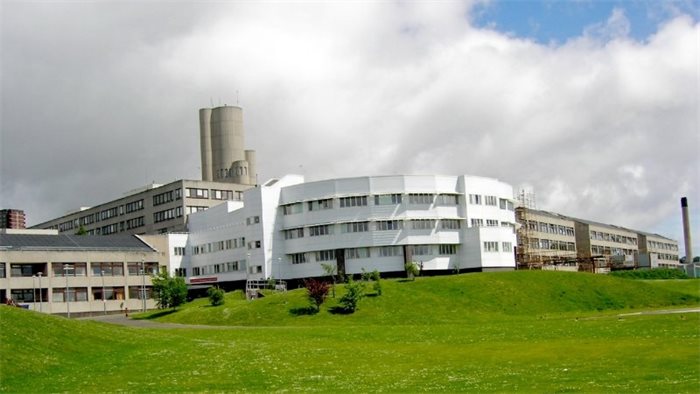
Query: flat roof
{"x": 119, "y": 242}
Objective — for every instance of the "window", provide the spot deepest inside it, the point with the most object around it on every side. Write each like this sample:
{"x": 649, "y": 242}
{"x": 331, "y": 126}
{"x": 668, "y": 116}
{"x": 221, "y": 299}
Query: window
{"x": 477, "y": 222}
{"x": 297, "y": 258}
{"x": 491, "y": 223}
{"x": 385, "y": 225}
{"x": 163, "y": 198}
{"x": 507, "y": 246}
{"x": 490, "y": 246}
{"x": 448, "y": 199}
{"x": 390, "y": 251}
{"x": 320, "y": 204}
{"x": 325, "y": 255}
{"x": 448, "y": 249}
{"x": 356, "y": 253}
{"x": 292, "y": 209}
{"x": 68, "y": 269}
{"x": 387, "y": 199}
{"x": 491, "y": 200}
{"x": 75, "y": 294}
{"x": 420, "y": 198}
{"x": 179, "y": 251}
{"x": 22, "y": 295}
{"x": 355, "y": 227}
{"x": 252, "y": 220}
{"x": 134, "y": 223}
{"x": 221, "y": 194}
{"x": 196, "y": 271}
{"x": 192, "y": 192}
{"x": 107, "y": 269}
{"x": 294, "y": 233}
{"x": 317, "y": 231}
{"x": 422, "y": 224}
{"x": 23, "y": 270}
{"x": 140, "y": 292}
{"x": 421, "y": 250}
{"x": 503, "y": 203}
{"x": 136, "y": 269}
{"x": 181, "y": 272}
{"x": 110, "y": 293}
{"x": 167, "y": 214}
{"x": 475, "y": 199}
{"x": 254, "y": 245}
{"x": 2, "y": 270}
{"x": 110, "y": 229}
{"x": 450, "y": 224}
{"x": 354, "y": 201}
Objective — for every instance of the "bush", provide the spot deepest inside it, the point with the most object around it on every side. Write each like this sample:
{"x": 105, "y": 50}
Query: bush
{"x": 412, "y": 270}
{"x": 657, "y": 273}
{"x": 169, "y": 291}
{"x": 216, "y": 296}
{"x": 316, "y": 291}
{"x": 354, "y": 291}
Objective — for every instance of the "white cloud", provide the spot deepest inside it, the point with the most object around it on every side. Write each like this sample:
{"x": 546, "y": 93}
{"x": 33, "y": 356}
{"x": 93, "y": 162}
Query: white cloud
{"x": 602, "y": 126}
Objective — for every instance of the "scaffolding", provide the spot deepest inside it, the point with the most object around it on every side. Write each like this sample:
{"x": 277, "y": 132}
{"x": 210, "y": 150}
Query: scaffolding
{"x": 526, "y": 255}
{"x": 253, "y": 287}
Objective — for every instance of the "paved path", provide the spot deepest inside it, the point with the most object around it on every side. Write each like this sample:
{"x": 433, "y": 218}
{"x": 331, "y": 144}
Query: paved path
{"x": 126, "y": 321}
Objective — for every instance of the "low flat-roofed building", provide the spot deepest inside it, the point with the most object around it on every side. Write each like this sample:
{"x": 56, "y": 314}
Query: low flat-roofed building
{"x": 546, "y": 240}
{"x": 656, "y": 251}
{"x": 606, "y": 245}
{"x": 76, "y": 274}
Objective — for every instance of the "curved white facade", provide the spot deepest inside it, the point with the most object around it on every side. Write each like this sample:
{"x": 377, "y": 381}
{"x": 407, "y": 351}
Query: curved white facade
{"x": 286, "y": 228}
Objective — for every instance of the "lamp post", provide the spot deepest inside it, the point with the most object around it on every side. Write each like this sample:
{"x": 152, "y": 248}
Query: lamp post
{"x": 247, "y": 271}
{"x": 143, "y": 285}
{"x": 67, "y": 268}
{"x": 33, "y": 292}
{"x": 104, "y": 302}
{"x": 41, "y": 300}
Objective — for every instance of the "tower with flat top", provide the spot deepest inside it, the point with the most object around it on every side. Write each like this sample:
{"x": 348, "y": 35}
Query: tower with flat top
{"x": 222, "y": 143}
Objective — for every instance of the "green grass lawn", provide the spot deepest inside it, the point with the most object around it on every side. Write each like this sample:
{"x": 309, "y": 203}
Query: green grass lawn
{"x": 434, "y": 334}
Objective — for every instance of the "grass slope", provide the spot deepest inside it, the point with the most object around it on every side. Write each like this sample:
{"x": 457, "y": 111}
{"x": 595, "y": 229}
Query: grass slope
{"x": 544, "y": 345}
{"x": 448, "y": 299}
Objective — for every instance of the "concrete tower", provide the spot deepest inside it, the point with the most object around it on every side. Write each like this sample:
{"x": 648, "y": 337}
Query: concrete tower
{"x": 222, "y": 142}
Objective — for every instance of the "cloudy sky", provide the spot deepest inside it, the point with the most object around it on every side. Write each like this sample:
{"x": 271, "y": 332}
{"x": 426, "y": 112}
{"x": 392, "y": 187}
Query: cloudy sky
{"x": 595, "y": 105}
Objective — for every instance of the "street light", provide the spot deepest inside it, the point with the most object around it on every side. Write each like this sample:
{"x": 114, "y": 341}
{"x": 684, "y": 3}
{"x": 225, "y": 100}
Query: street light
{"x": 67, "y": 268}
{"x": 104, "y": 302}
{"x": 143, "y": 284}
{"x": 41, "y": 300}
{"x": 33, "y": 292}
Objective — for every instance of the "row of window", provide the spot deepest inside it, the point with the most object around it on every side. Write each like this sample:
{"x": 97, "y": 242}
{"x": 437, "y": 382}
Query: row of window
{"x": 550, "y": 228}
{"x": 477, "y": 199}
{"x": 662, "y": 245}
{"x": 607, "y": 250}
{"x": 80, "y": 294}
{"x": 380, "y": 225}
{"x": 363, "y": 253}
{"x": 167, "y": 214}
{"x": 551, "y": 244}
{"x": 492, "y": 247}
{"x": 79, "y": 269}
{"x": 231, "y": 266}
{"x": 668, "y": 256}
{"x": 392, "y": 199}
{"x": 166, "y": 197}
{"x": 621, "y": 239}
{"x": 217, "y": 246}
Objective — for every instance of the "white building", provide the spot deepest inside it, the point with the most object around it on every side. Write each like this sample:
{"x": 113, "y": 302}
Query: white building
{"x": 285, "y": 228}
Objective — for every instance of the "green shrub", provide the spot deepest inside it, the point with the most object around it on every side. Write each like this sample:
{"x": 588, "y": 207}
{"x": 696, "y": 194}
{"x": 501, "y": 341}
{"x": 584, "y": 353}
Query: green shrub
{"x": 412, "y": 270}
{"x": 657, "y": 273}
{"x": 216, "y": 296}
{"x": 354, "y": 291}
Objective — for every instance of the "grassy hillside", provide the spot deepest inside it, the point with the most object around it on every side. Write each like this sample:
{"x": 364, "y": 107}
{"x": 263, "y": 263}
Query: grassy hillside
{"x": 449, "y": 299}
{"x": 656, "y": 353}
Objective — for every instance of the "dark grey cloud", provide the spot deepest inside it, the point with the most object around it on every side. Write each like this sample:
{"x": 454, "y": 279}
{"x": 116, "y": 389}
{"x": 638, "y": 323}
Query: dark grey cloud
{"x": 102, "y": 97}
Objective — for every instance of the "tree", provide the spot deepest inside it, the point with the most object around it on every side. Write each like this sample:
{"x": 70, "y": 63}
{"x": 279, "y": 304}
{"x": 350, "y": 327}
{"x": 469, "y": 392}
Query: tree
{"x": 354, "y": 291}
{"x": 330, "y": 270}
{"x": 81, "y": 230}
{"x": 316, "y": 291}
{"x": 169, "y": 291}
{"x": 216, "y": 296}
{"x": 412, "y": 270}
{"x": 376, "y": 277}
